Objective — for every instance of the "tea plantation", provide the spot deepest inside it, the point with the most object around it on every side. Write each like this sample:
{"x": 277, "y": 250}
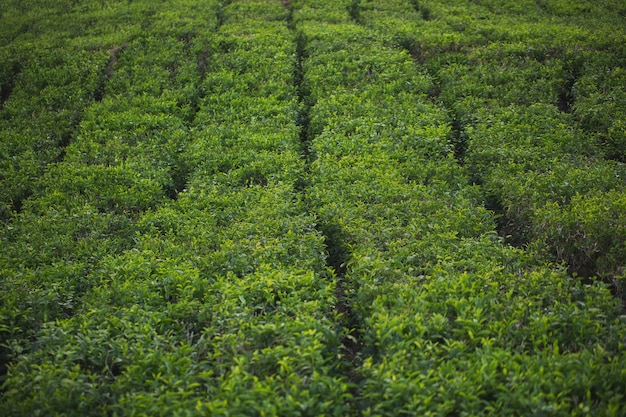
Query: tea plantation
{"x": 313, "y": 208}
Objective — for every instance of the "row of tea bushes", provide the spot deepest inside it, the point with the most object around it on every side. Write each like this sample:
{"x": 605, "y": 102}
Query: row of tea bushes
{"x": 276, "y": 351}
{"x": 121, "y": 162}
{"x": 83, "y": 207}
{"x": 38, "y": 119}
{"x": 536, "y": 132}
{"x": 50, "y": 72}
{"x": 448, "y": 319}
{"x": 569, "y": 203}
{"x": 65, "y": 225}
{"x": 216, "y": 300}
{"x": 328, "y": 11}
{"x": 57, "y": 60}
{"x": 598, "y": 96}
{"x": 223, "y": 306}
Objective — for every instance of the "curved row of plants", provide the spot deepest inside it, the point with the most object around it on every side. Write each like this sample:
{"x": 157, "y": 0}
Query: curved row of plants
{"x": 167, "y": 265}
{"x": 536, "y": 93}
{"x": 451, "y": 321}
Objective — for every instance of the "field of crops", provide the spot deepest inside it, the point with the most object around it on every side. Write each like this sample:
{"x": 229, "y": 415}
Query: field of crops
{"x": 313, "y": 208}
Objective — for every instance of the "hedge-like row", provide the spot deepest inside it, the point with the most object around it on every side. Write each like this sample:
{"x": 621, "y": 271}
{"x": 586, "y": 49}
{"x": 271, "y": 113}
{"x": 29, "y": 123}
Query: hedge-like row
{"x": 120, "y": 163}
{"x": 166, "y": 265}
{"x": 448, "y": 318}
{"x": 170, "y": 266}
{"x": 39, "y": 116}
{"x": 275, "y": 344}
{"x": 55, "y": 62}
{"x": 534, "y": 129}
{"x": 598, "y": 96}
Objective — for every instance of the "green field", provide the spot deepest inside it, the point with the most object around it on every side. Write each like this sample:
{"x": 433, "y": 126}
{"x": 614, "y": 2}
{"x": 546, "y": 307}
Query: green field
{"x": 313, "y": 208}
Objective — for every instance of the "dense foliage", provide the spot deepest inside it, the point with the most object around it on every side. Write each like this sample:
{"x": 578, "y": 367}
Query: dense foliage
{"x": 312, "y": 207}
